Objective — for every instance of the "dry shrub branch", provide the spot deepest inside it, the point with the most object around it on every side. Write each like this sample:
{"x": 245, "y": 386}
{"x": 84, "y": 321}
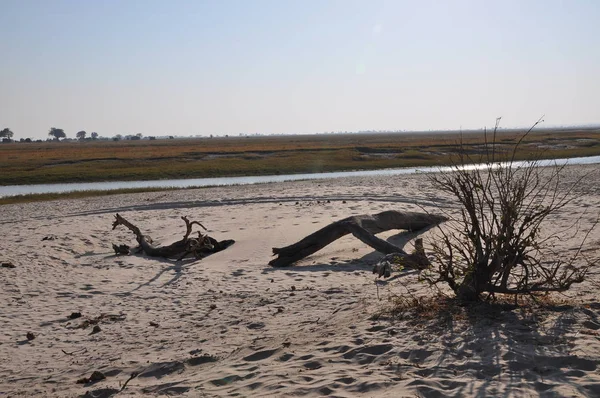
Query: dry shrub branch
{"x": 495, "y": 244}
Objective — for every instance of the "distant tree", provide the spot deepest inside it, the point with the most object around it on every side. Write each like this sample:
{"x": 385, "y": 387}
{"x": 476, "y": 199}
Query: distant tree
{"x": 117, "y": 137}
{"x": 139, "y": 136}
{"x": 57, "y": 133}
{"x": 80, "y": 135}
{"x": 94, "y": 135}
{"x": 6, "y": 133}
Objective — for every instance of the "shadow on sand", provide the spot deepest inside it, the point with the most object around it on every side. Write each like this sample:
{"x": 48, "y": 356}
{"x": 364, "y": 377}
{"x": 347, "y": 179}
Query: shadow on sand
{"x": 174, "y": 266}
{"x": 500, "y": 349}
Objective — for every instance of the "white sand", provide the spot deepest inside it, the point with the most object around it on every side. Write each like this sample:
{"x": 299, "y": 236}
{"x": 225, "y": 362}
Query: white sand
{"x": 303, "y": 330}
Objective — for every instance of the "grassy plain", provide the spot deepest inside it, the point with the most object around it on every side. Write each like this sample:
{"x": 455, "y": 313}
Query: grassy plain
{"x": 90, "y": 161}
{"x": 42, "y": 197}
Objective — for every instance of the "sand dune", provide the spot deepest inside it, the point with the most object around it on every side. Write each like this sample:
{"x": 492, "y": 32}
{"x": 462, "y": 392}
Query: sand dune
{"x": 230, "y": 325}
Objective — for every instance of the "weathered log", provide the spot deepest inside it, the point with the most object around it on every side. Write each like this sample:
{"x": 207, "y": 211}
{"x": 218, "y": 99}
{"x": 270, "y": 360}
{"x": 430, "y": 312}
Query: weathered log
{"x": 199, "y": 247}
{"x": 363, "y": 227}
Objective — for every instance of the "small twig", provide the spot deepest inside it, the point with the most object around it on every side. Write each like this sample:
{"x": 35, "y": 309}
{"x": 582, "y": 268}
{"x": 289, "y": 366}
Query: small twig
{"x": 82, "y": 350}
{"x": 133, "y": 376}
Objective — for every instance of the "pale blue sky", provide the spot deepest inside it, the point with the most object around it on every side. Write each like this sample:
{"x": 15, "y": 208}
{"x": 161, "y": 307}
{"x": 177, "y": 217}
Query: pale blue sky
{"x": 229, "y": 67}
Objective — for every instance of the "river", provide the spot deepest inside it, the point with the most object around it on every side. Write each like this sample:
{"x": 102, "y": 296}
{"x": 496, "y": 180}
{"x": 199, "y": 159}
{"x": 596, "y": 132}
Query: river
{"x": 13, "y": 190}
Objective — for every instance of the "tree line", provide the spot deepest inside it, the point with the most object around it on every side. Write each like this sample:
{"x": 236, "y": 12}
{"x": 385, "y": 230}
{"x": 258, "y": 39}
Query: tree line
{"x": 57, "y": 134}
{"x": 80, "y": 135}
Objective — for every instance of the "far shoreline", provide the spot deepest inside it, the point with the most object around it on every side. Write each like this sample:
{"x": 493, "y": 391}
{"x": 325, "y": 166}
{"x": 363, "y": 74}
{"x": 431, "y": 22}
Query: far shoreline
{"x": 145, "y": 160}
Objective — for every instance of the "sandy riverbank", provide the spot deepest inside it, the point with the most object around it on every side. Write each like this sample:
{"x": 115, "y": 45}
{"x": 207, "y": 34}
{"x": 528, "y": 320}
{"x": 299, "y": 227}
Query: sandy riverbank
{"x": 230, "y": 325}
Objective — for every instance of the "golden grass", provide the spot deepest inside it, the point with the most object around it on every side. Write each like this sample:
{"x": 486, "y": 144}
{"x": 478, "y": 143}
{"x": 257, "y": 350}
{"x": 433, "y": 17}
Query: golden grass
{"x": 55, "y": 162}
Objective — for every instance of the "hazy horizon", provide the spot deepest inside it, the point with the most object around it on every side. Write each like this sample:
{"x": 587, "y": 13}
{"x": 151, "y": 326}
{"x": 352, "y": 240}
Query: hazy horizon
{"x": 234, "y": 67}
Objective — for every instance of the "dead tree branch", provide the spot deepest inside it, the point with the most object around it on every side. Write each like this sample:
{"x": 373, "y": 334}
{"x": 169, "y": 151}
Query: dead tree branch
{"x": 364, "y": 228}
{"x": 200, "y": 247}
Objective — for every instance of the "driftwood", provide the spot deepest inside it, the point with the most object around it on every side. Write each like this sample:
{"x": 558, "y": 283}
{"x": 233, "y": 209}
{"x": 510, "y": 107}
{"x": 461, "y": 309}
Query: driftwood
{"x": 364, "y": 227}
{"x": 200, "y": 246}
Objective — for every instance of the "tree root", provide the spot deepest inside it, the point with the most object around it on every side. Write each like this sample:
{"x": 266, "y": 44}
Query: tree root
{"x": 200, "y": 246}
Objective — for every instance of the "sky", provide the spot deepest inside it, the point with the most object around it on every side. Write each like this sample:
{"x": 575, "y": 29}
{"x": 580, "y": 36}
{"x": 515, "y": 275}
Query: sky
{"x": 295, "y": 66}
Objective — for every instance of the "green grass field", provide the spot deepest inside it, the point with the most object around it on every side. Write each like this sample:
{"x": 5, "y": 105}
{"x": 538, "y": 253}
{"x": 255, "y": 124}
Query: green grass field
{"x": 90, "y": 161}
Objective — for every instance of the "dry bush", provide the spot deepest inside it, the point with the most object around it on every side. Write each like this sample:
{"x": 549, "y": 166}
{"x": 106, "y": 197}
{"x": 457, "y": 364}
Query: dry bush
{"x": 495, "y": 244}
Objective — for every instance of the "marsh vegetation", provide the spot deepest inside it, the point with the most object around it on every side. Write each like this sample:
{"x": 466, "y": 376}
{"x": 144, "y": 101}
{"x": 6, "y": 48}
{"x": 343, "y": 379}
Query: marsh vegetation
{"x": 92, "y": 161}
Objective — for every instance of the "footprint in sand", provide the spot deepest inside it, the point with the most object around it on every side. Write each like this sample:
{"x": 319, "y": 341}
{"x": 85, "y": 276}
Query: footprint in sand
{"x": 227, "y": 380}
{"x": 313, "y": 365}
{"x": 366, "y": 355}
{"x": 338, "y": 348}
{"x": 346, "y": 380}
{"x": 166, "y": 389}
{"x": 162, "y": 369}
{"x": 591, "y": 325}
{"x": 285, "y": 357}
{"x": 416, "y": 355}
{"x": 376, "y": 328}
{"x": 260, "y": 355}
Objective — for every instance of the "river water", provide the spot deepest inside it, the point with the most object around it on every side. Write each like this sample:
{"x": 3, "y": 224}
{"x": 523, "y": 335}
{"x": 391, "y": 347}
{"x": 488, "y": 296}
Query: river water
{"x": 12, "y": 190}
